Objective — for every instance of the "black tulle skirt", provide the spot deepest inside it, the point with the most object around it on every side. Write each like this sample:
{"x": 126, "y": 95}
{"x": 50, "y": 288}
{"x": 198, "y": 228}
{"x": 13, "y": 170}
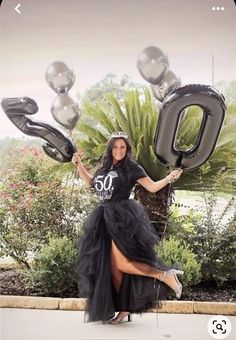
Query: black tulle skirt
{"x": 127, "y": 224}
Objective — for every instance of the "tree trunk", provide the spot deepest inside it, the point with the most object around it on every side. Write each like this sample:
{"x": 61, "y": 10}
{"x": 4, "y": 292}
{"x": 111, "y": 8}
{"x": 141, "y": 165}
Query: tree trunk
{"x": 157, "y": 205}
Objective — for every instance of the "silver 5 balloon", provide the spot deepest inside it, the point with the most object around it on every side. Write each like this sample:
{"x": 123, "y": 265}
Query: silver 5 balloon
{"x": 58, "y": 146}
{"x": 65, "y": 111}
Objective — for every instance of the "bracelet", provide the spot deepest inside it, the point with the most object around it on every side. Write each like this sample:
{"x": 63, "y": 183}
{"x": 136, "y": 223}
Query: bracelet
{"x": 170, "y": 180}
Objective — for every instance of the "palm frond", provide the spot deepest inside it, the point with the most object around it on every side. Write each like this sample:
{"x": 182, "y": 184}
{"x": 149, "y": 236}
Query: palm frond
{"x": 137, "y": 116}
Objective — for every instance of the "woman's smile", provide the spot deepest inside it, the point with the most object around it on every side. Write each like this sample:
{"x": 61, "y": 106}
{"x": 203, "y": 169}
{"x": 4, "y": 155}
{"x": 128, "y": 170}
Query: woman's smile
{"x": 119, "y": 150}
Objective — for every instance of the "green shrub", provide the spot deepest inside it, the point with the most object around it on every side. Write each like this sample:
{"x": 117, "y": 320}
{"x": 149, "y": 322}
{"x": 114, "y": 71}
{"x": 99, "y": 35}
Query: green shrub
{"x": 37, "y": 203}
{"x": 53, "y": 268}
{"x": 177, "y": 253}
{"x": 210, "y": 231}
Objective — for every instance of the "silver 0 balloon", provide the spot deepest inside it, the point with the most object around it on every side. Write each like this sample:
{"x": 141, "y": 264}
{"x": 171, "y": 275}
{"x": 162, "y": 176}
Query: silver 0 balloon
{"x": 213, "y": 106}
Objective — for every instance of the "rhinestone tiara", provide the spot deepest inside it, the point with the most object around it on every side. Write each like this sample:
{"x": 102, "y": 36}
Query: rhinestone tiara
{"x": 118, "y": 134}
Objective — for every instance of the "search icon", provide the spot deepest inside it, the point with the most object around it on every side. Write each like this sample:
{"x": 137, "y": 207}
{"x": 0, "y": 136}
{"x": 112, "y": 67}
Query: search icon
{"x": 219, "y": 326}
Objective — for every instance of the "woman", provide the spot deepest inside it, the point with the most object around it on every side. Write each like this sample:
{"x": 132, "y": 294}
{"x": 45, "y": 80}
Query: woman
{"x": 117, "y": 264}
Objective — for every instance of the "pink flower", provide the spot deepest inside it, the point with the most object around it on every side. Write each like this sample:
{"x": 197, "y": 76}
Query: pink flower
{"x": 14, "y": 186}
{"x": 34, "y": 152}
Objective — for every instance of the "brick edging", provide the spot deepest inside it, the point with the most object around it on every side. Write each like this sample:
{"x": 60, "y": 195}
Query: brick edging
{"x": 78, "y": 304}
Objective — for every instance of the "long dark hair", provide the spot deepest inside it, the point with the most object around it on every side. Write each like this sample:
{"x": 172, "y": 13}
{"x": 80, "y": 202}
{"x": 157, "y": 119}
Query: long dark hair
{"x": 107, "y": 157}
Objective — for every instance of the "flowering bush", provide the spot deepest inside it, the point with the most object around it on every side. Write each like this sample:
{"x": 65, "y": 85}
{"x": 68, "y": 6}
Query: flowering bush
{"x": 36, "y": 204}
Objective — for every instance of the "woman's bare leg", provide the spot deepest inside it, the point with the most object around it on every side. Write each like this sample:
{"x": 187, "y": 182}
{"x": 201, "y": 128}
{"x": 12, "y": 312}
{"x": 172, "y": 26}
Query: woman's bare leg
{"x": 117, "y": 275}
{"x": 120, "y": 264}
{"x": 132, "y": 267}
{"x": 138, "y": 268}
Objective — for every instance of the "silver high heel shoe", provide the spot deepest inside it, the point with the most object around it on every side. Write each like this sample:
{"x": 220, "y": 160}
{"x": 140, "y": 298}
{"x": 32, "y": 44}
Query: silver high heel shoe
{"x": 117, "y": 320}
{"x": 178, "y": 287}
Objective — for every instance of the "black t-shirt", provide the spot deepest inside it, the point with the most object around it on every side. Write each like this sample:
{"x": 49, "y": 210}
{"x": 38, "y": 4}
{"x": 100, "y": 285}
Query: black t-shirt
{"x": 118, "y": 182}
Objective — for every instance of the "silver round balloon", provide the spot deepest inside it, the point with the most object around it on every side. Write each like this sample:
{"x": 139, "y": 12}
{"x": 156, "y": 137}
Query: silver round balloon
{"x": 152, "y": 64}
{"x": 168, "y": 83}
{"x": 65, "y": 111}
{"x": 60, "y": 77}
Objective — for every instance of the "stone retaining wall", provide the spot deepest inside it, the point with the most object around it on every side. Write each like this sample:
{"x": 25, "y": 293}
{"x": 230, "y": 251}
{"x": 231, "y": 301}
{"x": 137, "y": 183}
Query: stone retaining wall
{"x": 178, "y": 307}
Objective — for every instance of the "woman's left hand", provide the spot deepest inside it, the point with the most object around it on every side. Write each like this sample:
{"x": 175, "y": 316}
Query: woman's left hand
{"x": 175, "y": 174}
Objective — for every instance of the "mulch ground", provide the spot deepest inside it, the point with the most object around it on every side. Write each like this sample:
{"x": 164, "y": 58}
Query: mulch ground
{"x": 12, "y": 284}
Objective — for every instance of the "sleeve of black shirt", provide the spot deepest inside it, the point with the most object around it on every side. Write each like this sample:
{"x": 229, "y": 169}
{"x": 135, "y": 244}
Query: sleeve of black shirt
{"x": 136, "y": 172}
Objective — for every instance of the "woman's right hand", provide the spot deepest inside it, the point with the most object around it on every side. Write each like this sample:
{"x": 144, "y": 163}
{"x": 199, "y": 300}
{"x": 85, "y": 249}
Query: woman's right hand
{"x": 75, "y": 159}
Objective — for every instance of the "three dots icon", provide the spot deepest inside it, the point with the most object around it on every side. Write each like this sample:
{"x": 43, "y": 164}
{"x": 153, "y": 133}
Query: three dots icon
{"x": 218, "y": 8}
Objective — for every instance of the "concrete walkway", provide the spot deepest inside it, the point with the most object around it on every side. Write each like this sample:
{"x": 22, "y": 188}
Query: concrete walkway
{"x": 31, "y": 324}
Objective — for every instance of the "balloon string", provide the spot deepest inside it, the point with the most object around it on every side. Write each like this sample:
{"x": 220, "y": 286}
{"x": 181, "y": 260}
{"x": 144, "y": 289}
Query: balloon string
{"x": 218, "y": 167}
{"x": 161, "y": 241}
{"x": 71, "y": 137}
{"x": 167, "y": 210}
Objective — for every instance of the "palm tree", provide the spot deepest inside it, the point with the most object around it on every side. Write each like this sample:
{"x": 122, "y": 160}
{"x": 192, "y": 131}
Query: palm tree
{"x": 137, "y": 116}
